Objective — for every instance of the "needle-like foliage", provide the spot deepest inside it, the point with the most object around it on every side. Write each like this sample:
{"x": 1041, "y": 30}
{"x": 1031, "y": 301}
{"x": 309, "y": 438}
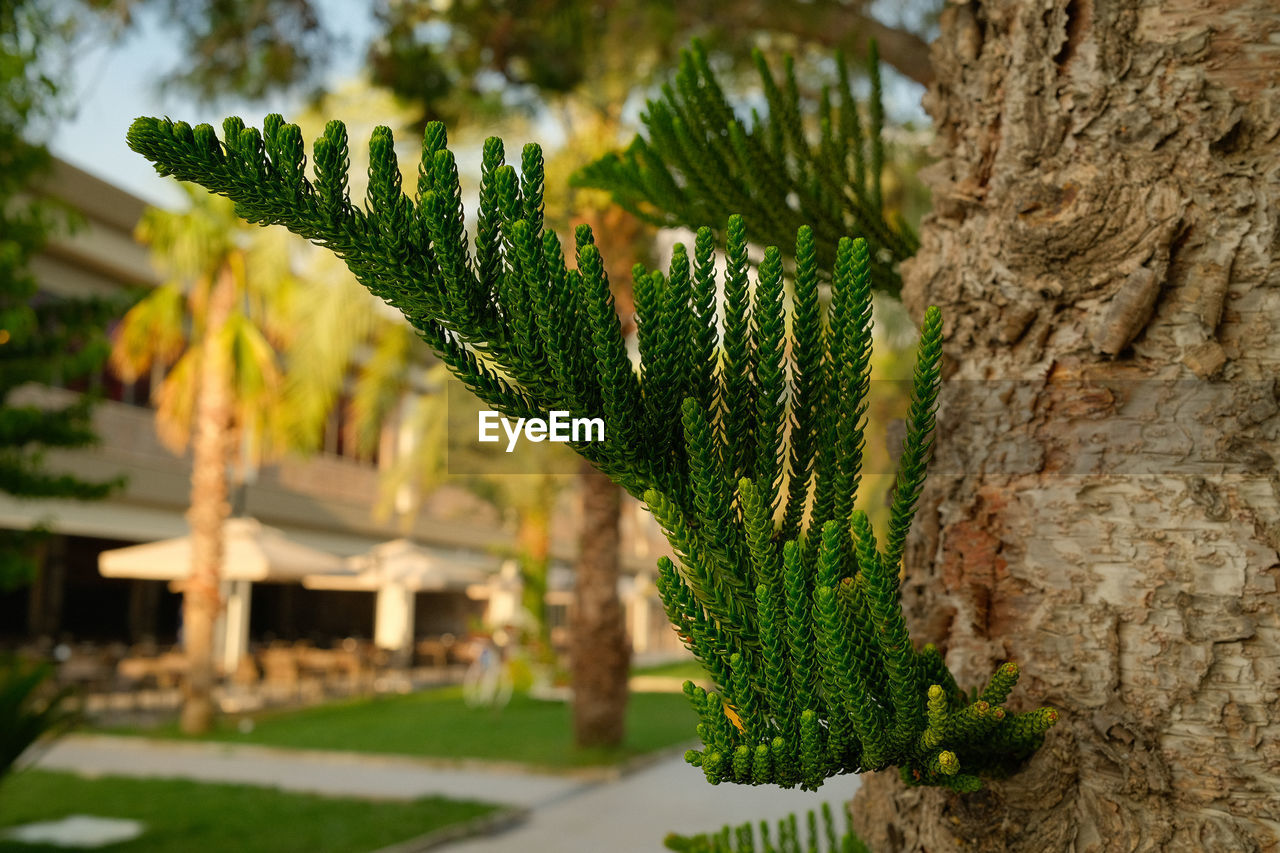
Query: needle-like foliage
{"x": 780, "y": 589}
{"x": 789, "y": 835}
{"x": 699, "y": 162}
{"x": 44, "y": 338}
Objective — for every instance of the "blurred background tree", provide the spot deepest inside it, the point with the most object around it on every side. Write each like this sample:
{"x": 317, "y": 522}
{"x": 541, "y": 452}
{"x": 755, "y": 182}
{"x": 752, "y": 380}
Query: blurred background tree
{"x": 451, "y": 56}
{"x": 42, "y": 338}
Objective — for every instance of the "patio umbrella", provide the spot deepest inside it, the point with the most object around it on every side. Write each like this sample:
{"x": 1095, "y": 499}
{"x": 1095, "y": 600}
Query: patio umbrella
{"x": 396, "y": 571}
{"x": 252, "y": 552}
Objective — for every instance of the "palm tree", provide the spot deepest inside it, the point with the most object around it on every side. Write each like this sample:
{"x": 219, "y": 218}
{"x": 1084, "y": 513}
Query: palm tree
{"x": 218, "y": 324}
{"x": 249, "y": 365}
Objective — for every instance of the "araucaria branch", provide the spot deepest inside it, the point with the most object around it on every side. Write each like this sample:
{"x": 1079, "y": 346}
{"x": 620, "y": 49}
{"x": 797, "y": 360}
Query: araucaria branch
{"x": 746, "y": 446}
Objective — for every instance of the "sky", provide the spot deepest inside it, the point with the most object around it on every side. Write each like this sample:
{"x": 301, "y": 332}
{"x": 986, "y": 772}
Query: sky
{"x": 115, "y": 81}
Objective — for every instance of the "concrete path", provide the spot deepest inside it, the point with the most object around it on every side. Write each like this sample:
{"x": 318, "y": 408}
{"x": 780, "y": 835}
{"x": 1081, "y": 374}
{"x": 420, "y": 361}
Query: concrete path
{"x": 633, "y": 814}
{"x": 334, "y": 773}
{"x": 630, "y": 814}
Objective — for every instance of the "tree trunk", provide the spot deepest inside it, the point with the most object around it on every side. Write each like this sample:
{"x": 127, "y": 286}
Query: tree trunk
{"x": 1105, "y": 498}
{"x": 44, "y": 606}
{"x": 211, "y": 448}
{"x": 599, "y": 655}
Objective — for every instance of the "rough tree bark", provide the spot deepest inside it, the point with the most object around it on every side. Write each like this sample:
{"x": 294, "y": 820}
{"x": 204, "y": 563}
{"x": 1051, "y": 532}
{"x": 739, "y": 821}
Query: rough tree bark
{"x": 211, "y": 447}
{"x": 1106, "y": 504}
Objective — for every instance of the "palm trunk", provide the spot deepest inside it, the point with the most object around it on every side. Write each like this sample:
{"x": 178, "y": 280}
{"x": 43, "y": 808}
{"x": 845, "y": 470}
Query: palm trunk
{"x": 211, "y": 452}
{"x": 1103, "y": 243}
{"x": 600, "y": 655}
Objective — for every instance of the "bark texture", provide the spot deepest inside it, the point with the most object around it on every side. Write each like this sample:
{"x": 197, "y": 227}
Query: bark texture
{"x": 211, "y": 447}
{"x": 1105, "y": 507}
{"x": 600, "y": 656}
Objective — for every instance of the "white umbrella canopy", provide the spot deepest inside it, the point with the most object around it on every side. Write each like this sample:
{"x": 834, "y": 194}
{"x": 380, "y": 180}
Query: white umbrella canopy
{"x": 252, "y": 552}
{"x": 397, "y": 571}
{"x": 411, "y": 566}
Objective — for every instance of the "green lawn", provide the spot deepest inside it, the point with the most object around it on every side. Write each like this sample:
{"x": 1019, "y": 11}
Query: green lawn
{"x": 689, "y": 670}
{"x": 437, "y": 723}
{"x": 184, "y": 816}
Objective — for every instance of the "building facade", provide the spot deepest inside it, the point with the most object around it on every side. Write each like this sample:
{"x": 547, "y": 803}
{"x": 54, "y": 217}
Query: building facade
{"x": 324, "y": 501}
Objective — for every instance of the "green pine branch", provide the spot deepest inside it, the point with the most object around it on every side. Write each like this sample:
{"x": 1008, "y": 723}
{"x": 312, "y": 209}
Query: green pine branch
{"x": 699, "y": 163}
{"x": 818, "y": 835}
{"x": 778, "y": 587}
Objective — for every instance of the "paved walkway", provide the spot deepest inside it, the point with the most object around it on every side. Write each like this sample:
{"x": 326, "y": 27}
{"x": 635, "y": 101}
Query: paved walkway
{"x": 334, "y": 773}
{"x": 568, "y": 814}
{"x": 633, "y": 815}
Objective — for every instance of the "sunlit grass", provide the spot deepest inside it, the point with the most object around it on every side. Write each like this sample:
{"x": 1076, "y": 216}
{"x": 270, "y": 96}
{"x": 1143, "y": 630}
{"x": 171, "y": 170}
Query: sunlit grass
{"x": 438, "y": 724}
{"x": 686, "y": 670}
{"x": 182, "y": 816}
